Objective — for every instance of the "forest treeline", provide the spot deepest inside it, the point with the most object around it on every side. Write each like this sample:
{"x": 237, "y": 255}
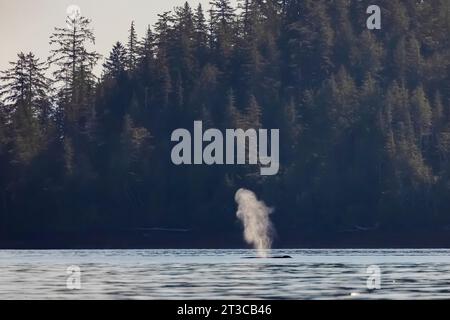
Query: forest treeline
{"x": 364, "y": 119}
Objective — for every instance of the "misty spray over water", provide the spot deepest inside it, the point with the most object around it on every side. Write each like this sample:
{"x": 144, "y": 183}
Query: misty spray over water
{"x": 254, "y": 215}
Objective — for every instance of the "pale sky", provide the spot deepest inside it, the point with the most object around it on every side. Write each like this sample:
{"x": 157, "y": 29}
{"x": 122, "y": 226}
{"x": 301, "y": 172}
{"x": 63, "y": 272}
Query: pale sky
{"x": 26, "y": 25}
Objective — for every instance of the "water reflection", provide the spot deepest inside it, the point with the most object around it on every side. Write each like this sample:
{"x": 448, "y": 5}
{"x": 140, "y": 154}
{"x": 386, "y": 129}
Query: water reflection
{"x": 225, "y": 274}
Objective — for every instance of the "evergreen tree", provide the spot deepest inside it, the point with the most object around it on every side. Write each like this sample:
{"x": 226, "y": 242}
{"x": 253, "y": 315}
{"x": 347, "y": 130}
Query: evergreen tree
{"x": 222, "y": 25}
{"x": 253, "y": 115}
{"x": 345, "y": 38}
{"x": 163, "y": 82}
{"x": 414, "y": 61}
{"x": 3, "y": 125}
{"x": 132, "y": 47}
{"x": 342, "y": 98}
{"x": 73, "y": 64}
{"x": 249, "y": 17}
{"x": 72, "y": 60}
{"x": 232, "y": 115}
{"x": 200, "y": 35}
{"x": 367, "y": 55}
{"x": 309, "y": 40}
{"x": 164, "y": 30}
{"x": 439, "y": 115}
{"x": 26, "y": 92}
{"x": 115, "y": 64}
{"x": 27, "y": 136}
{"x": 290, "y": 132}
{"x": 134, "y": 141}
{"x": 183, "y": 50}
{"x": 222, "y": 13}
{"x": 422, "y": 114}
{"x": 25, "y": 83}
{"x": 146, "y": 48}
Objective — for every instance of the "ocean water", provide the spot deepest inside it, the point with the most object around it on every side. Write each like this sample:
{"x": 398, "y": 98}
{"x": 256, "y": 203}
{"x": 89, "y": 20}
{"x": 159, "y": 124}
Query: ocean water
{"x": 225, "y": 274}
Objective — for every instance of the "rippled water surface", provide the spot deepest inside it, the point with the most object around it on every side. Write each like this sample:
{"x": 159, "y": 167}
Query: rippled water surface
{"x": 225, "y": 274}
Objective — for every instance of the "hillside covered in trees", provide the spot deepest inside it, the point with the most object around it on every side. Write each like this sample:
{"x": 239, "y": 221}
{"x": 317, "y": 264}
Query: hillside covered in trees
{"x": 364, "y": 118}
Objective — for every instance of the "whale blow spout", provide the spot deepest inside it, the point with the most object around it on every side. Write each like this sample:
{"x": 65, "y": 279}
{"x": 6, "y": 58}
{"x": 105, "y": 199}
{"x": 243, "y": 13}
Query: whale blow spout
{"x": 254, "y": 215}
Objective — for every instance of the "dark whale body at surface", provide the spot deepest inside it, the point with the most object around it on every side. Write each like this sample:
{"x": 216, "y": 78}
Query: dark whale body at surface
{"x": 272, "y": 257}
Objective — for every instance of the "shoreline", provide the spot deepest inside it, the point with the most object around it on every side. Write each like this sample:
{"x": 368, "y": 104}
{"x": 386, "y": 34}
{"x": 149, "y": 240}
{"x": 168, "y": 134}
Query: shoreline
{"x": 430, "y": 239}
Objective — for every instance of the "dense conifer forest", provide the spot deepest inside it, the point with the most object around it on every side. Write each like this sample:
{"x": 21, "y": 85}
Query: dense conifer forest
{"x": 364, "y": 119}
